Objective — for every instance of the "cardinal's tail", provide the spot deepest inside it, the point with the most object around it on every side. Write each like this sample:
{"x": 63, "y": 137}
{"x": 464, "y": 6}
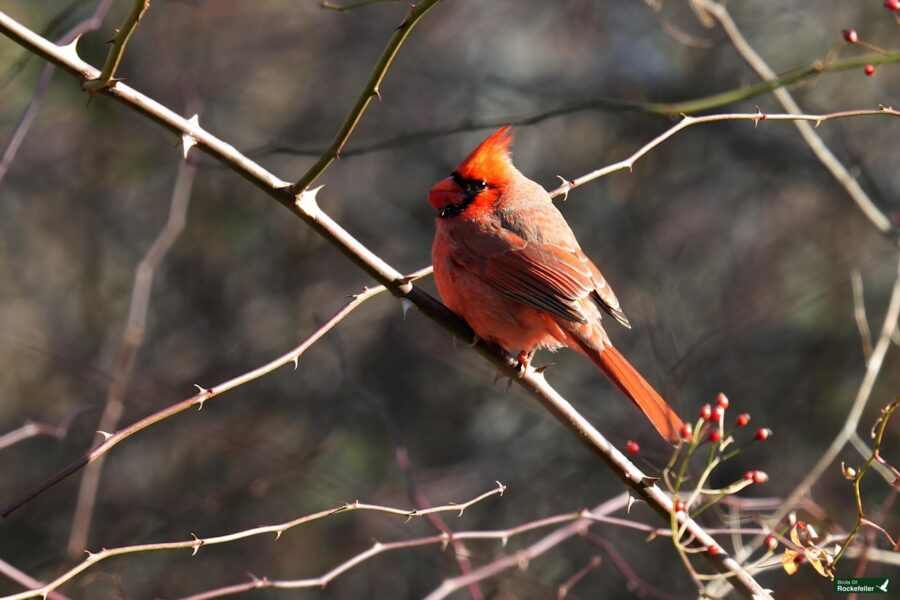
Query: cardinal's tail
{"x": 633, "y": 385}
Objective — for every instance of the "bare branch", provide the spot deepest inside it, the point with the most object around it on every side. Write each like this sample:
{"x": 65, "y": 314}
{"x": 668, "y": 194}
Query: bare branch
{"x": 687, "y": 121}
{"x": 30, "y": 430}
{"x": 117, "y": 51}
{"x": 371, "y": 90}
{"x": 25, "y": 580}
{"x": 37, "y": 97}
{"x": 856, "y": 409}
{"x": 351, "y": 5}
{"x": 195, "y": 543}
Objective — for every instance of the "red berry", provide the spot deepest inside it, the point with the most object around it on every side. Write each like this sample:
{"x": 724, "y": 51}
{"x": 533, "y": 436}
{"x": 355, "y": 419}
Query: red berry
{"x": 748, "y": 475}
{"x": 771, "y": 542}
{"x": 742, "y": 419}
{"x": 706, "y": 412}
{"x": 870, "y": 69}
{"x": 763, "y": 433}
{"x": 722, "y": 400}
{"x": 686, "y": 432}
{"x": 892, "y": 4}
{"x": 679, "y": 506}
{"x": 714, "y": 550}
{"x": 715, "y": 436}
{"x": 760, "y": 477}
{"x": 850, "y": 36}
{"x": 717, "y": 413}
{"x": 632, "y": 447}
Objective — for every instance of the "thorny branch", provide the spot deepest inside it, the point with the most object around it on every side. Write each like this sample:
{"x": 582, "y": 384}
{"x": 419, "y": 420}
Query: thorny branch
{"x": 117, "y": 50}
{"x": 371, "y": 90}
{"x": 195, "y": 543}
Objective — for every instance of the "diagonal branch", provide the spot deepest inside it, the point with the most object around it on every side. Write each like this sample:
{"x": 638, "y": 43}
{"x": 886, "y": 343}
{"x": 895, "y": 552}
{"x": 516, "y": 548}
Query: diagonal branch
{"x": 370, "y": 91}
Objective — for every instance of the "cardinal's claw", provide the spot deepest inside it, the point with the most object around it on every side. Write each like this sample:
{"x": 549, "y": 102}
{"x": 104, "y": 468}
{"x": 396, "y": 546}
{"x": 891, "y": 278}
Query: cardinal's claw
{"x": 474, "y": 342}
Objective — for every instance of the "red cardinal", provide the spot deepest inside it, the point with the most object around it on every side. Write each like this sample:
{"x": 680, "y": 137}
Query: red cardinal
{"x": 507, "y": 262}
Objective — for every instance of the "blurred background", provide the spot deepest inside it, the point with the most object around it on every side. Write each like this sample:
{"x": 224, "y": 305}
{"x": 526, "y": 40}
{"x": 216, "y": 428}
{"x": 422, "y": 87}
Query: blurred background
{"x": 730, "y": 247}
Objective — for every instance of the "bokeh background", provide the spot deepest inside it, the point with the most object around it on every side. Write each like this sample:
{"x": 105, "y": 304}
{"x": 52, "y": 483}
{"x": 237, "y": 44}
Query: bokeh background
{"x": 730, "y": 247}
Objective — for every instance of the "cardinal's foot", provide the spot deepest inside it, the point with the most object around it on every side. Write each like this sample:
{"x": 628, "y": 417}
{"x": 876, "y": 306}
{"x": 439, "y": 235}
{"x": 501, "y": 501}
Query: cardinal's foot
{"x": 523, "y": 361}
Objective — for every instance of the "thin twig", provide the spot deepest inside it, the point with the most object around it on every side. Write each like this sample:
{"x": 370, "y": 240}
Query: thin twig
{"x": 117, "y": 51}
{"x": 30, "y": 430}
{"x": 565, "y": 587}
{"x": 14, "y": 574}
{"x": 195, "y": 543}
{"x": 881, "y": 425}
{"x": 503, "y": 536}
{"x": 369, "y": 91}
{"x": 859, "y": 313}
{"x": 351, "y": 5}
{"x": 856, "y": 409}
{"x": 523, "y": 557}
{"x": 132, "y": 340}
{"x": 822, "y": 152}
{"x": 688, "y": 121}
{"x": 40, "y": 89}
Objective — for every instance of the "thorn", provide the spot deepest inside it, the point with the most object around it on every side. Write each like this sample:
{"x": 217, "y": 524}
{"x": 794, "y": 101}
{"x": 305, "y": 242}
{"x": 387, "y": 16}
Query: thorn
{"x": 197, "y": 543}
{"x": 201, "y": 389}
{"x": 306, "y": 202}
{"x": 105, "y": 435}
{"x": 445, "y": 540}
{"x": 188, "y": 141}
{"x": 296, "y": 361}
{"x": 504, "y": 540}
{"x": 631, "y": 501}
{"x": 540, "y": 370}
{"x": 200, "y": 403}
{"x": 72, "y": 47}
{"x": 377, "y": 93}
{"x": 501, "y": 487}
{"x": 405, "y": 305}
{"x": 278, "y": 534}
{"x": 566, "y": 185}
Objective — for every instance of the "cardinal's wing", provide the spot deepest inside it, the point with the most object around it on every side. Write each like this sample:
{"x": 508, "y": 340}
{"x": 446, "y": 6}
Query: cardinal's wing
{"x": 544, "y": 275}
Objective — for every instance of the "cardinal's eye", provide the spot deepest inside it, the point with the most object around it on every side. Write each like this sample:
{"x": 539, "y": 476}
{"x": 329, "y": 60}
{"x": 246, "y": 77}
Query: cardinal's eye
{"x": 480, "y": 186}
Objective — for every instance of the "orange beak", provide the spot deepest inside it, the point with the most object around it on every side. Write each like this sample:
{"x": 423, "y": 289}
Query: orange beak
{"x": 444, "y": 193}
